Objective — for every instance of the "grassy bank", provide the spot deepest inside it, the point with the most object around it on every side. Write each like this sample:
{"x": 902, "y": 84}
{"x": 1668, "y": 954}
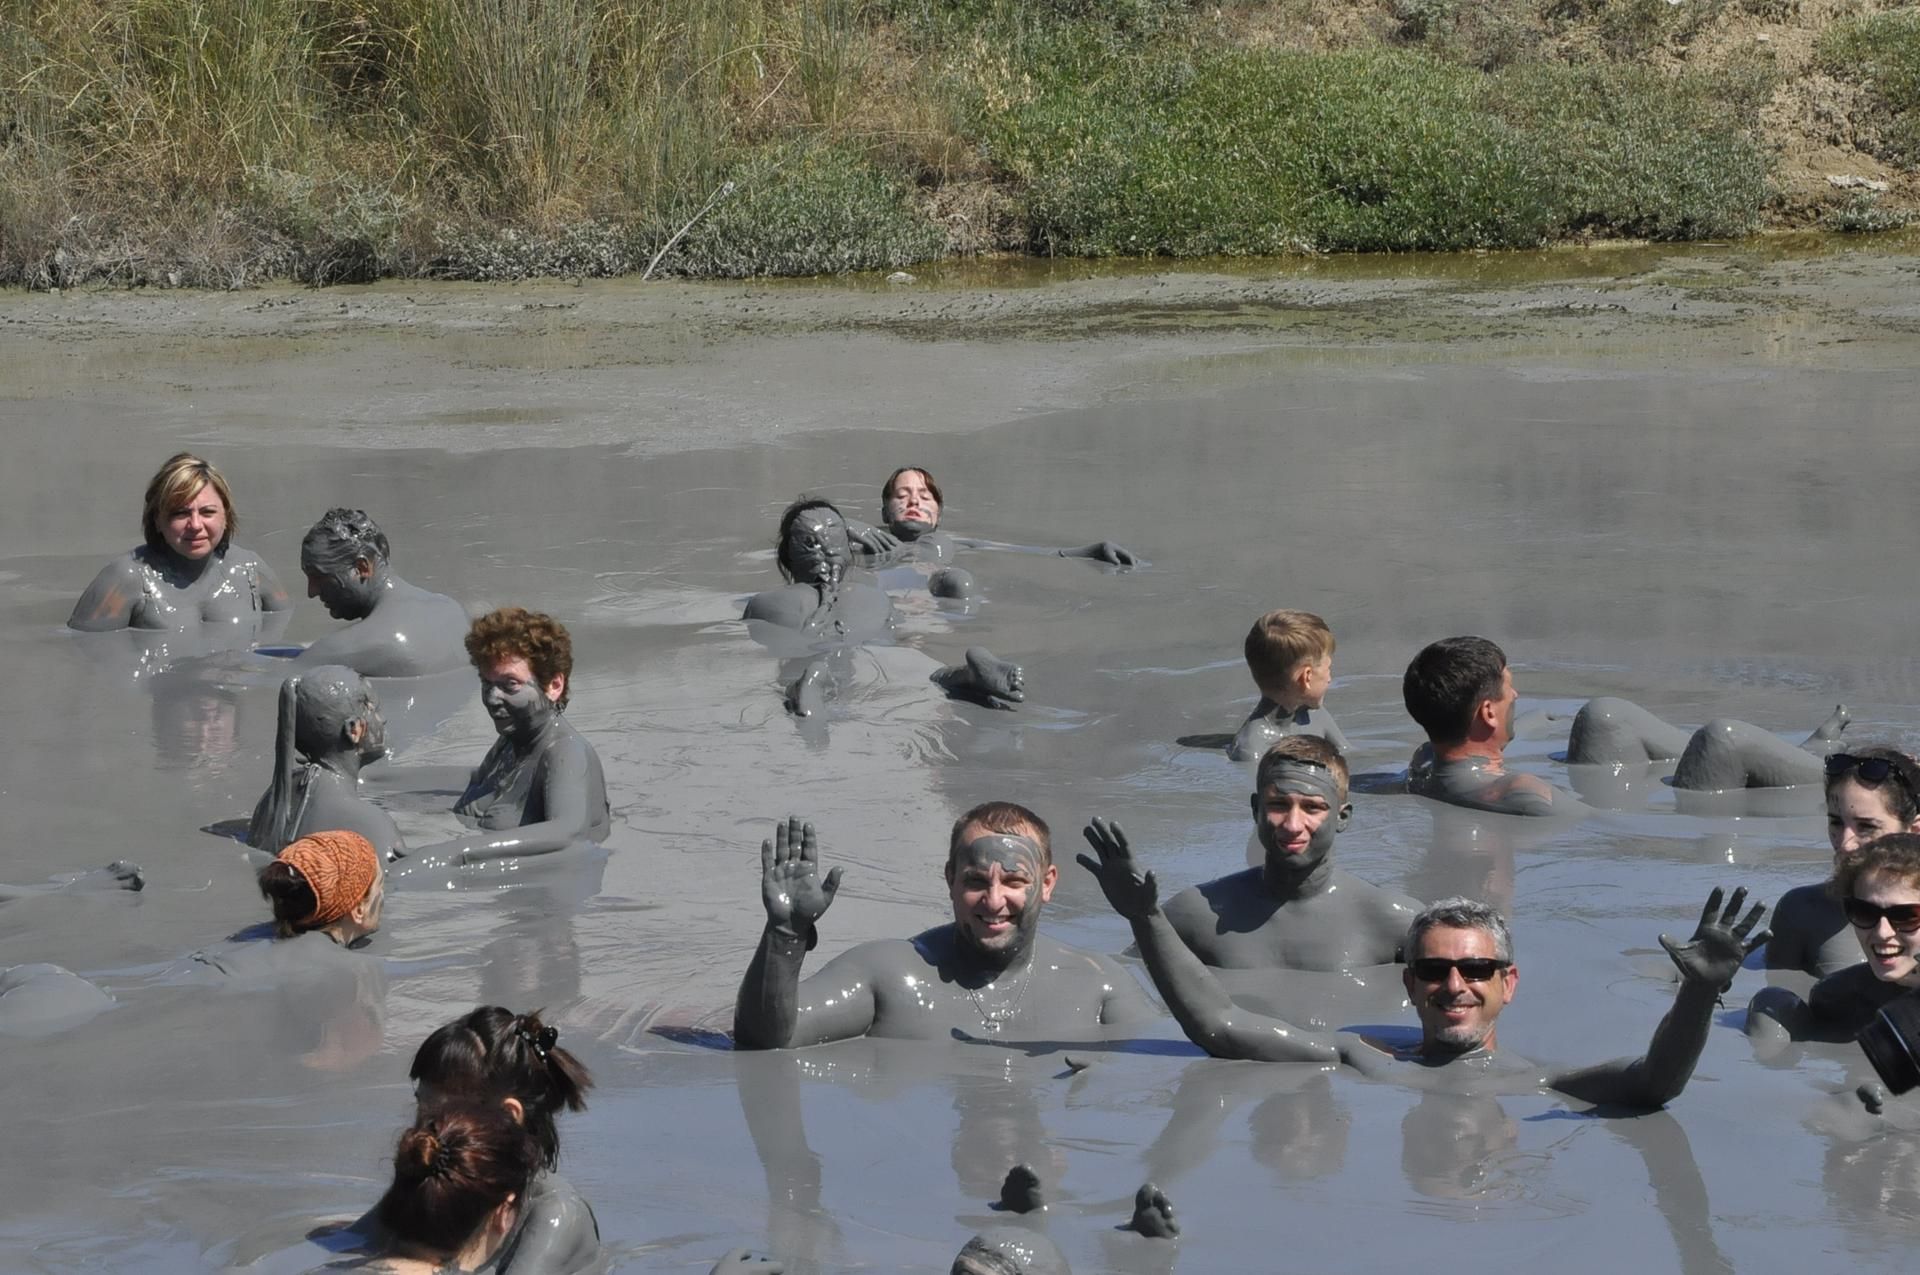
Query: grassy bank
{"x": 225, "y": 142}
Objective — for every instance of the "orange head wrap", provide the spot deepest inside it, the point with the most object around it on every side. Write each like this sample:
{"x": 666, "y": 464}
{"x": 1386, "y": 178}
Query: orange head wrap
{"x": 340, "y": 866}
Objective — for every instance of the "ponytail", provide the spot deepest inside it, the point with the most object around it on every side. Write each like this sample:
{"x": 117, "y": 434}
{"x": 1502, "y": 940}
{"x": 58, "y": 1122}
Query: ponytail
{"x": 278, "y": 821}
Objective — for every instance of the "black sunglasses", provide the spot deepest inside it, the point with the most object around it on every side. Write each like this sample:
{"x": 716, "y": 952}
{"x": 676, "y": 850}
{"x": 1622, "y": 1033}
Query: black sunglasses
{"x": 1903, "y": 917}
{"x": 1473, "y": 969}
{"x": 1871, "y": 771}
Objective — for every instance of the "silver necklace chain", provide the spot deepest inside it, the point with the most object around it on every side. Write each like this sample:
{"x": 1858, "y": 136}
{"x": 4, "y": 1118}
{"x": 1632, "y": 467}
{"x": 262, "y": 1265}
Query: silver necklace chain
{"x": 996, "y": 1019}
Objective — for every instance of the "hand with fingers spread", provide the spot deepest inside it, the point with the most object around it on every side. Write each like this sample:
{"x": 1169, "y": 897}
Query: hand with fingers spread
{"x": 1721, "y": 941}
{"x": 1134, "y": 894}
{"x": 875, "y": 540}
{"x": 791, "y": 887}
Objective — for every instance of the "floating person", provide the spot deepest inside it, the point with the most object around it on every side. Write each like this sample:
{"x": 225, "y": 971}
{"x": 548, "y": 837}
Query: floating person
{"x": 395, "y": 629}
{"x": 1295, "y": 911}
{"x": 828, "y": 614}
{"x": 330, "y": 726}
{"x": 911, "y": 504}
{"x": 540, "y": 788}
{"x": 118, "y": 875}
{"x": 1290, "y": 655}
{"x": 1878, "y": 889}
{"x": 189, "y": 576}
{"x": 1870, "y": 792}
{"x": 988, "y": 971}
{"x": 460, "y": 1179}
{"x": 1460, "y": 974}
{"x": 1461, "y": 693}
{"x": 1724, "y": 754}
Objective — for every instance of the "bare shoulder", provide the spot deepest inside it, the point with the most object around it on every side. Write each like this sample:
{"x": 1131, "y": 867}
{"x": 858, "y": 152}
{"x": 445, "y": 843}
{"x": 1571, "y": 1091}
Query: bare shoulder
{"x": 108, "y": 601}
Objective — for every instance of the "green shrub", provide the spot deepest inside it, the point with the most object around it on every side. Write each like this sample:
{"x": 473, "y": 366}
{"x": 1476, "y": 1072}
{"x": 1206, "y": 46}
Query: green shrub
{"x": 1883, "y": 52}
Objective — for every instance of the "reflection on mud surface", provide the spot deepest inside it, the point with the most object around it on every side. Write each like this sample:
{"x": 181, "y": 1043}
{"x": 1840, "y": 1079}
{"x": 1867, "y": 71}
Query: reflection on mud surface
{"x": 1702, "y": 516}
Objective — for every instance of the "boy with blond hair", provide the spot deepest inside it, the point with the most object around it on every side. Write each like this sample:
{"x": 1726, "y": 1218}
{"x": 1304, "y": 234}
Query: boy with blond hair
{"x": 1290, "y": 655}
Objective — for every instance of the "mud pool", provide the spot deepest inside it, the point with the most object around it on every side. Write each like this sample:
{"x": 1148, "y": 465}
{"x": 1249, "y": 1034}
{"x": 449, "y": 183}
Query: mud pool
{"x": 1685, "y": 478}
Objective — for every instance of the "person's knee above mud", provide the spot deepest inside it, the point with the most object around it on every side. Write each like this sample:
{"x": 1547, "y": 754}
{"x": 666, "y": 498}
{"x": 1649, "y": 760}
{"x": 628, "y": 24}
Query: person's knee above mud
{"x": 989, "y": 971}
{"x": 1460, "y": 691}
{"x": 1724, "y": 754}
{"x": 1297, "y": 910}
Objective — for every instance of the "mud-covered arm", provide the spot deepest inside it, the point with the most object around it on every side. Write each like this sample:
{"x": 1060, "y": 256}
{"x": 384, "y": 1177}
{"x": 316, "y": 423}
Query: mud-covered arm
{"x": 868, "y": 539}
{"x": 565, "y": 797}
{"x": 1198, "y": 1002}
{"x": 109, "y": 601}
{"x": 272, "y": 594}
{"x": 984, "y": 678}
{"x": 1707, "y": 964}
{"x": 1100, "y": 550}
{"x": 768, "y": 1012}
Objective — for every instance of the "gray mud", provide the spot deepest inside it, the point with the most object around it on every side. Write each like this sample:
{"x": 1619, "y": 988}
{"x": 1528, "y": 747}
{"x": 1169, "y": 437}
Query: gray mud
{"x": 1680, "y": 477}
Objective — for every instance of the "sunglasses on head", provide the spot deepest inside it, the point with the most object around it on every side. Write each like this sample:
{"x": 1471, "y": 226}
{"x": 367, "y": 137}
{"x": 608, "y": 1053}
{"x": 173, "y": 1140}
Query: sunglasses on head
{"x": 1473, "y": 969}
{"x": 1871, "y": 771}
{"x": 1903, "y": 917}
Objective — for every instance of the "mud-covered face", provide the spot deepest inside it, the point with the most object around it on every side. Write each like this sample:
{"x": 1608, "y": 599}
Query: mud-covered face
{"x": 911, "y": 509}
{"x": 194, "y": 529}
{"x": 519, "y": 705}
{"x": 999, "y": 884}
{"x": 347, "y": 596}
{"x": 1856, "y": 814}
{"x": 1297, "y": 814}
{"x": 1456, "y": 1014}
{"x": 816, "y": 549}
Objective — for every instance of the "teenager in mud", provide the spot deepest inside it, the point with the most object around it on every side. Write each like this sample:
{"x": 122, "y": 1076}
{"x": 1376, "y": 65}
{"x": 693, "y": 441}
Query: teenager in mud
{"x": 1460, "y": 691}
{"x": 987, "y": 972}
{"x": 1296, "y": 910}
{"x": 329, "y": 727}
{"x": 819, "y": 614}
{"x": 395, "y": 629}
{"x": 1870, "y": 792}
{"x": 1460, "y": 974}
{"x": 540, "y": 788}
{"x": 188, "y": 576}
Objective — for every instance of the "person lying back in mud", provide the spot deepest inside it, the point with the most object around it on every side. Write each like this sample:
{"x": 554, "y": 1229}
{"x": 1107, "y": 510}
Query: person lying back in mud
{"x": 1878, "y": 891}
{"x": 1295, "y": 911}
{"x": 828, "y": 613}
{"x": 910, "y": 507}
{"x": 189, "y": 576}
{"x": 540, "y": 788}
{"x": 1460, "y": 974}
{"x": 329, "y": 727}
{"x": 1461, "y": 693}
{"x": 1870, "y": 792}
{"x": 988, "y": 971}
{"x": 1722, "y": 755}
{"x": 118, "y": 875}
{"x": 395, "y": 629}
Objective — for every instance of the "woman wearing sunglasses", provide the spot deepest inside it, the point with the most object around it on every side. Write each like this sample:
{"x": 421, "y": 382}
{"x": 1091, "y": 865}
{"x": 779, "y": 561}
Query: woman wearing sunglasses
{"x": 1877, "y": 889}
{"x": 1870, "y": 793}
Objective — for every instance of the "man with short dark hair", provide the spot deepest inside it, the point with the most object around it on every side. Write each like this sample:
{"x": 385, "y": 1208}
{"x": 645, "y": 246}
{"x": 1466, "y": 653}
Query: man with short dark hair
{"x": 1461, "y": 693}
{"x": 987, "y": 972}
{"x": 1296, "y": 911}
{"x": 1460, "y": 974}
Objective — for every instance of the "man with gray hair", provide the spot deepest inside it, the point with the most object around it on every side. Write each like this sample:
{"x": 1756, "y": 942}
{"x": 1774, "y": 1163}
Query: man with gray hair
{"x": 1460, "y": 974}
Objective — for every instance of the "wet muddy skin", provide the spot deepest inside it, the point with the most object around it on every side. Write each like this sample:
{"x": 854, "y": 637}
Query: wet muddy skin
{"x": 1631, "y": 501}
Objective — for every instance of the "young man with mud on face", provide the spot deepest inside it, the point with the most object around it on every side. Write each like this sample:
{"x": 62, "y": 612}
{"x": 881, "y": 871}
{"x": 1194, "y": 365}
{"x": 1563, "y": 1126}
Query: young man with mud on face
{"x": 989, "y": 972}
{"x": 1296, "y": 911}
{"x": 1460, "y": 975}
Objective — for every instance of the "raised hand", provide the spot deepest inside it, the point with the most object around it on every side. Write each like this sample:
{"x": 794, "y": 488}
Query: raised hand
{"x": 1133, "y": 893}
{"x": 875, "y": 540}
{"x": 1720, "y": 942}
{"x": 791, "y": 886}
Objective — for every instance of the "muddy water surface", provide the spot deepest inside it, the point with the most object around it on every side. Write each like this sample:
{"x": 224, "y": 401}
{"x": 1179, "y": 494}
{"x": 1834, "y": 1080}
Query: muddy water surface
{"x": 1684, "y": 478}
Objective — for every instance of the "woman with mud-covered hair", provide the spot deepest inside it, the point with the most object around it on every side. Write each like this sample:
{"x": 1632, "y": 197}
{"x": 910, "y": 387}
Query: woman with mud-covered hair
{"x": 911, "y": 503}
{"x": 1870, "y": 793}
{"x": 395, "y": 629}
{"x": 818, "y": 615}
{"x": 514, "y": 1062}
{"x": 330, "y": 726}
{"x": 1877, "y": 888}
{"x": 540, "y": 787}
{"x": 188, "y": 575}
{"x": 460, "y": 1178}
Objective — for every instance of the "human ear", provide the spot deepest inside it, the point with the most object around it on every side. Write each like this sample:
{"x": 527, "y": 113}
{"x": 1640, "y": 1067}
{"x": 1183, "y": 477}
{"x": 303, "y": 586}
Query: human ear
{"x": 355, "y": 730}
{"x": 1406, "y": 980}
{"x": 1254, "y": 802}
{"x": 363, "y": 567}
{"x": 1346, "y": 817}
{"x": 1047, "y": 879}
{"x": 557, "y": 687}
{"x": 514, "y": 1108}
